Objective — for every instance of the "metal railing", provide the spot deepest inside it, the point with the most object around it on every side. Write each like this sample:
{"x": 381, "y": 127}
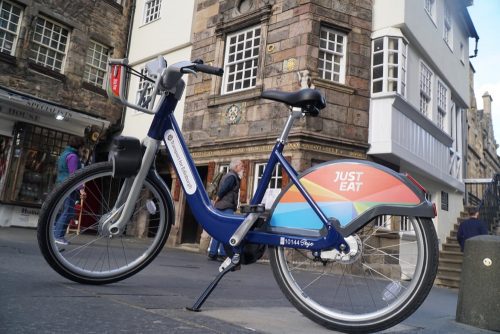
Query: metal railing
{"x": 485, "y": 194}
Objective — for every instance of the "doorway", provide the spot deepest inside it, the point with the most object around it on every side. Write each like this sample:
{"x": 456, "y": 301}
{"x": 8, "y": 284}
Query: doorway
{"x": 191, "y": 230}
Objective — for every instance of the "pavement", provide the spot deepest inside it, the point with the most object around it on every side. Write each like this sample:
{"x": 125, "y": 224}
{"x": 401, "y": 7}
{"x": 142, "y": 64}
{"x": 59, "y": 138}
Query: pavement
{"x": 35, "y": 299}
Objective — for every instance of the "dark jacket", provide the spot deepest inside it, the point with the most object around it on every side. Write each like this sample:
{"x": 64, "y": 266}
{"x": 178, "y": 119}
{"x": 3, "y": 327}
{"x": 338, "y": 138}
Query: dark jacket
{"x": 228, "y": 191}
{"x": 470, "y": 228}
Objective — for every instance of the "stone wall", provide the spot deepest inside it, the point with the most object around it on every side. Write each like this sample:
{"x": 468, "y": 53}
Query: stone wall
{"x": 101, "y": 20}
{"x": 289, "y": 49}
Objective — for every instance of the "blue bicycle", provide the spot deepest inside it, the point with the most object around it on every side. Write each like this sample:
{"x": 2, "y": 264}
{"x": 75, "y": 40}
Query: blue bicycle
{"x": 351, "y": 243}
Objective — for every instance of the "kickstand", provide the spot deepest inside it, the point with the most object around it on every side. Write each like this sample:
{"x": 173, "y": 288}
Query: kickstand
{"x": 196, "y": 306}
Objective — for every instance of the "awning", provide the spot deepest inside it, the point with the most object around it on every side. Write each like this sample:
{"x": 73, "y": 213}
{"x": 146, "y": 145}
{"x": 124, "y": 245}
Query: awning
{"x": 17, "y": 106}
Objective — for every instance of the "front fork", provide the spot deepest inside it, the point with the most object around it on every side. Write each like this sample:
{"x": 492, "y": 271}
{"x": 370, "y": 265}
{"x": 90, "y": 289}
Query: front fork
{"x": 120, "y": 215}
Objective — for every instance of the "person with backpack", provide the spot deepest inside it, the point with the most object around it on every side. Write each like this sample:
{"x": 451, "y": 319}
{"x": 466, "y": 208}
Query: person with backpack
{"x": 68, "y": 163}
{"x": 226, "y": 201}
{"x": 471, "y": 227}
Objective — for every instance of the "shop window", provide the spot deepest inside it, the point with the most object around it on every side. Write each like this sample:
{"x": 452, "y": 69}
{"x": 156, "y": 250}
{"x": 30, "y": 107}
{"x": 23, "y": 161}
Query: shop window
{"x": 10, "y": 17}
{"x": 33, "y": 168}
{"x": 49, "y": 44}
{"x": 241, "y": 60}
{"x": 96, "y": 64}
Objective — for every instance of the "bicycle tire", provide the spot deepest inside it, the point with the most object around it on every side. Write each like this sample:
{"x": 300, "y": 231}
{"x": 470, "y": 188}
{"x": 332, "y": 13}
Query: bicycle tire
{"x": 355, "y": 297}
{"x": 91, "y": 257}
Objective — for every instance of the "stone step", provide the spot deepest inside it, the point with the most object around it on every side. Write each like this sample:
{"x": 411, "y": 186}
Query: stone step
{"x": 452, "y": 241}
{"x": 449, "y": 282}
{"x": 453, "y": 234}
{"x": 451, "y": 255}
{"x": 447, "y": 263}
{"x": 449, "y": 272}
{"x": 451, "y": 247}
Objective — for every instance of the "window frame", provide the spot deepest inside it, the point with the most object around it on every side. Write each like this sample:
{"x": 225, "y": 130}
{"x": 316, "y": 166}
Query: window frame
{"x": 430, "y": 9}
{"x": 277, "y": 176}
{"x": 254, "y": 58}
{"x": 448, "y": 27}
{"x": 148, "y": 18}
{"x": 33, "y": 42}
{"x": 442, "y": 105}
{"x": 7, "y": 31}
{"x": 426, "y": 93}
{"x": 103, "y": 71}
{"x": 326, "y": 51}
{"x": 401, "y": 65}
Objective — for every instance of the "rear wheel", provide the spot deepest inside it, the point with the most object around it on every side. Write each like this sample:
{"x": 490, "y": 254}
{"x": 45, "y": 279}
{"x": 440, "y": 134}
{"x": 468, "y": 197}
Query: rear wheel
{"x": 93, "y": 256}
{"x": 385, "y": 278}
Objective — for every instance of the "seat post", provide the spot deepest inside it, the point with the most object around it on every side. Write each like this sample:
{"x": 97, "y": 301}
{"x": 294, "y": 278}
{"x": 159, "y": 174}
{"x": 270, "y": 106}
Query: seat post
{"x": 295, "y": 113}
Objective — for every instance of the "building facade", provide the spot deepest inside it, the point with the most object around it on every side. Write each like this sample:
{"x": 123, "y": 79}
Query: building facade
{"x": 284, "y": 45}
{"x": 482, "y": 158}
{"x": 420, "y": 94}
{"x": 53, "y": 59}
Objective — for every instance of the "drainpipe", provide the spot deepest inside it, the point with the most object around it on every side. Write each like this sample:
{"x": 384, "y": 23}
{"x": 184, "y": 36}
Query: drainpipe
{"x": 116, "y": 129}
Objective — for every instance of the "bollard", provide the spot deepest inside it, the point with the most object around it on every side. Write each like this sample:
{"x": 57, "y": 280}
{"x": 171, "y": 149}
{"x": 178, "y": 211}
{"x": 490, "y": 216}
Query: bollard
{"x": 479, "y": 295}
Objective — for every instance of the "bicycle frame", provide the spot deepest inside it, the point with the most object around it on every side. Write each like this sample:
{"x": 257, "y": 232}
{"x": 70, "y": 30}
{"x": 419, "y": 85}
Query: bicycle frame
{"x": 220, "y": 225}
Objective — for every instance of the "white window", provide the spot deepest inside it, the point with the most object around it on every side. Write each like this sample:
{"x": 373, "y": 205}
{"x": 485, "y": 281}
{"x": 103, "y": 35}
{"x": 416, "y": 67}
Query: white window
{"x": 152, "y": 10}
{"x": 389, "y": 65}
{"x": 448, "y": 27}
{"x": 241, "y": 60}
{"x": 10, "y": 17}
{"x": 48, "y": 47}
{"x": 425, "y": 90}
{"x": 332, "y": 54}
{"x": 276, "y": 178}
{"x": 442, "y": 102}
{"x": 96, "y": 64}
{"x": 430, "y": 8}
{"x": 144, "y": 85}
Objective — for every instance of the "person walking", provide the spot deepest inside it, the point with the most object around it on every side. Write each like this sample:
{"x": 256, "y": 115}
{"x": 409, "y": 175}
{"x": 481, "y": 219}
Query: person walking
{"x": 67, "y": 164}
{"x": 227, "y": 201}
{"x": 471, "y": 227}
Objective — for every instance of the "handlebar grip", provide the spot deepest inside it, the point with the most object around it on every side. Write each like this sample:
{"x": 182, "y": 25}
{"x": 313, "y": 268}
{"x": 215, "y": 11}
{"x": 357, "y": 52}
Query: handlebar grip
{"x": 209, "y": 69}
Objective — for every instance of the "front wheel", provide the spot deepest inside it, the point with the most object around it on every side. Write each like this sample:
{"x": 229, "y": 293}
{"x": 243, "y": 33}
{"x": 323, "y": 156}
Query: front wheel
{"x": 73, "y": 237}
{"x": 385, "y": 278}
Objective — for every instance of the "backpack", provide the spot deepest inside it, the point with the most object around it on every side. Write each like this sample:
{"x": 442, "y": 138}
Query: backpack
{"x": 213, "y": 186}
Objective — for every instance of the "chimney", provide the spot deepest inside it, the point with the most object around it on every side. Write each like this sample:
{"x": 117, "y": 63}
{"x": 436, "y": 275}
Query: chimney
{"x": 487, "y": 103}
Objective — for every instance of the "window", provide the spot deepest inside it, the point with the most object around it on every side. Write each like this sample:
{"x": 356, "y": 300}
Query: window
{"x": 96, "y": 64}
{"x": 241, "y": 60}
{"x": 462, "y": 53}
{"x": 144, "y": 85}
{"x": 448, "y": 29}
{"x": 389, "y": 65}
{"x": 425, "y": 90}
{"x": 430, "y": 8}
{"x": 442, "y": 102}
{"x": 10, "y": 15}
{"x": 48, "y": 47}
{"x": 276, "y": 178}
{"x": 332, "y": 54}
{"x": 152, "y": 10}
{"x": 32, "y": 173}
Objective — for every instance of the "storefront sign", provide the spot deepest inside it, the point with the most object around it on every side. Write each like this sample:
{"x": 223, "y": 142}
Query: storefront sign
{"x": 47, "y": 108}
{"x": 24, "y": 115}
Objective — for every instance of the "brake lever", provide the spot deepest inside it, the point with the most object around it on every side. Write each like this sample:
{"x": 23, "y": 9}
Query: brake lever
{"x": 189, "y": 70}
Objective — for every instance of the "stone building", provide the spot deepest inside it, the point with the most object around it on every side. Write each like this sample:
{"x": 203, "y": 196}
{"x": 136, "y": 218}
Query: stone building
{"x": 283, "y": 45}
{"x": 483, "y": 161}
{"x": 53, "y": 58}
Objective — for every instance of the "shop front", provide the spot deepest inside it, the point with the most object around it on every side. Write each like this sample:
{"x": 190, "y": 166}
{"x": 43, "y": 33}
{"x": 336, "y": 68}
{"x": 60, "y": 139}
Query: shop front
{"x": 33, "y": 133}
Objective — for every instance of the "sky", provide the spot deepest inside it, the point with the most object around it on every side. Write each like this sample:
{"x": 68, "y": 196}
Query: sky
{"x": 486, "y": 17}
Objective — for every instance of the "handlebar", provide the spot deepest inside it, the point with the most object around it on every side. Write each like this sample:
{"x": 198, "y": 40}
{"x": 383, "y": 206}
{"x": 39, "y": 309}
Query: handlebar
{"x": 208, "y": 69}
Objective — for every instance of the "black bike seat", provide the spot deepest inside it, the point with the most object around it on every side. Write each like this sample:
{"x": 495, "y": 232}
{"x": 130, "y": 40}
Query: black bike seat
{"x": 304, "y": 98}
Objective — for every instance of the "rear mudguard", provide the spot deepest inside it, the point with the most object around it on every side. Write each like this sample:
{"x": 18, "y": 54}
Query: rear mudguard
{"x": 350, "y": 193}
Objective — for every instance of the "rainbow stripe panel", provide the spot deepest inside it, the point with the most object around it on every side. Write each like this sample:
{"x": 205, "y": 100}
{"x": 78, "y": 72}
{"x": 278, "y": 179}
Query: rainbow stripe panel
{"x": 343, "y": 191}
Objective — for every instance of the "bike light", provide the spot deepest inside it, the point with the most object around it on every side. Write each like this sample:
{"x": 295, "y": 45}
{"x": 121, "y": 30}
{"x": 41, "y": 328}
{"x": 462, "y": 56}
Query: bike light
{"x": 415, "y": 182}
